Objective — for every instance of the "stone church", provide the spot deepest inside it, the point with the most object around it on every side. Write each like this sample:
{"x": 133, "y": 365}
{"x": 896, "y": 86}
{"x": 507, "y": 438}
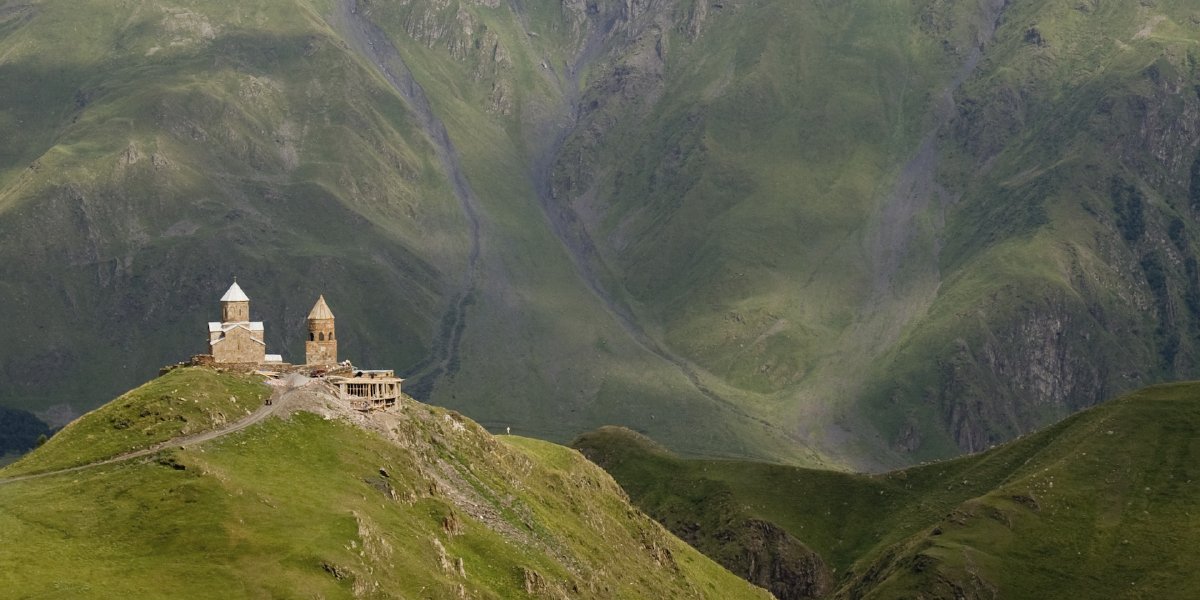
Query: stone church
{"x": 236, "y": 339}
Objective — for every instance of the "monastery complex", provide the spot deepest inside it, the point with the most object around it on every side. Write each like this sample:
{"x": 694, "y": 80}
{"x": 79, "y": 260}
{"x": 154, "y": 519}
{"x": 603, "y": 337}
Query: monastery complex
{"x": 237, "y": 342}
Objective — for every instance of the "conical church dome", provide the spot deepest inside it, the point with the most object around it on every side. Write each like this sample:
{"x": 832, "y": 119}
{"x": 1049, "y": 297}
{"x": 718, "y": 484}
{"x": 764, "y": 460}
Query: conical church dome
{"x": 320, "y": 310}
{"x": 235, "y": 294}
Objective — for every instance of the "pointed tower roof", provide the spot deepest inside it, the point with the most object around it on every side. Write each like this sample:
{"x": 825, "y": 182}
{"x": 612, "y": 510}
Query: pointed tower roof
{"x": 320, "y": 310}
{"x": 235, "y": 294}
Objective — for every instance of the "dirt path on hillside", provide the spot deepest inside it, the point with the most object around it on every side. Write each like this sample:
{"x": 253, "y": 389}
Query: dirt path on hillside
{"x": 278, "y": 399}
{"x": 370, "y": 42}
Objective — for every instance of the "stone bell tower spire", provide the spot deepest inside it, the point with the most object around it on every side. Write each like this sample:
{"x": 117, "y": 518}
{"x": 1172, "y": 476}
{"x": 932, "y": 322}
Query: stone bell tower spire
{"x": 321, "y": 347}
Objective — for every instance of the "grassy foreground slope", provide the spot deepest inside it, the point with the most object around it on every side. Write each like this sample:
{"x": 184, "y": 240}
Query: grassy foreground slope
{"x": 328, "y": 503}
{"x": 180, "y": 403}
{"x": 1102, "y": 504}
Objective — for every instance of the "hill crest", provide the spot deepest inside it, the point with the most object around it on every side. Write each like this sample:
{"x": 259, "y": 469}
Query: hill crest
{"x": 324, "y": 499}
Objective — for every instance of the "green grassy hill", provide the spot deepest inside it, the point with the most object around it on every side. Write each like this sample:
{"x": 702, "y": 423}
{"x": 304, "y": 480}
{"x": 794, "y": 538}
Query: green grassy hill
{"x": 1099, "y": 505}
{"x": 817, "y": 233}
{"x": 323, "y": 502}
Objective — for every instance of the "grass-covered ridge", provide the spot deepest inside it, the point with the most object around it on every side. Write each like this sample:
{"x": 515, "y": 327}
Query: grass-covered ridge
{"x": 182, "y": 402}
{"x": 1099, "y": 505}
{"x": 416, "y": 503}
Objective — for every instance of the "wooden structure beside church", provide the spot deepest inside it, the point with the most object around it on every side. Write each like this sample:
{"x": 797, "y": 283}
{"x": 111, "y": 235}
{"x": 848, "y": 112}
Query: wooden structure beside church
{"x": 368, "y": 389}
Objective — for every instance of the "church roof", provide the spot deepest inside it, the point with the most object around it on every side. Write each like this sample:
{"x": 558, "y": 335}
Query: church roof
{"x": 214, "y": 326}
{"x": 231, "y": 327}
{"x": 320, "y": 310}
{"x": 235, "y": 294}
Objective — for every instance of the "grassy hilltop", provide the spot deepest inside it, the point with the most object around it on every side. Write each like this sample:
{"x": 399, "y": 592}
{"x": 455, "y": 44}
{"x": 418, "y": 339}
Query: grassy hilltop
{"x": 822, "y": 233}
{"x": 1101, "y": 505}
{"x": 421, "y": 504}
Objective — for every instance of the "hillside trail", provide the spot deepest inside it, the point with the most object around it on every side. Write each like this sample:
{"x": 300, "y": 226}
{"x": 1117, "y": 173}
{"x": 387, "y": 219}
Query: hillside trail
{"x": 371, "y": 43}
{"x": 278, "y": 399}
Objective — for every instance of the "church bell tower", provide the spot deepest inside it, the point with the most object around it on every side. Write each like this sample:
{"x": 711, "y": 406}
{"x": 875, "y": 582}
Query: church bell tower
{"x": 321, "y": 347}
{"x": 235, "y": 306}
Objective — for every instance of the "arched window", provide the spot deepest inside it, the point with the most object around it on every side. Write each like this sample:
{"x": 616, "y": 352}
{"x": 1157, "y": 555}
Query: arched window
{"x": 331, "y": 336}
{"x": 312, "y": 337}
{"x": 321, "y": 337}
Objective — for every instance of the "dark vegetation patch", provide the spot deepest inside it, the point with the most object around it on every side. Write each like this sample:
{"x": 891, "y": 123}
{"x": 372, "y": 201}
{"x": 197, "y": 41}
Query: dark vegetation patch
{"x": 1129, "y": 206}
{"x": 21, "y": 431}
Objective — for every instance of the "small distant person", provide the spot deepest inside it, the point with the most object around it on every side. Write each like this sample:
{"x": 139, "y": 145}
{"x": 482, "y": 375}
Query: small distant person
{"x": 508, "y": 431}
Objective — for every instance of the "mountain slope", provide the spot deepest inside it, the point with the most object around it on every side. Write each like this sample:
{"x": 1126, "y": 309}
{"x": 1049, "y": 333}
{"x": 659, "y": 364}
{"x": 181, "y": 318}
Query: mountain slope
{"x": 808, "y": 232}
{"x": 166, "y": 150}
{"x": 174, "y": 148}
{"x": 1100, "y": 504}
{"x": 898, "y": 233}
{"x": 914, "y": 222}
{"x": 416, "y": 502}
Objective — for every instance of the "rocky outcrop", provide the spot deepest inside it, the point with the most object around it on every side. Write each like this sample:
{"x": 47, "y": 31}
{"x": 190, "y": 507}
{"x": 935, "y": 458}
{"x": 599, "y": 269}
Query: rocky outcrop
{"x": 760, "y": 552}
{"x": 1011, "y": 379}
{"x": 775, "y": 560}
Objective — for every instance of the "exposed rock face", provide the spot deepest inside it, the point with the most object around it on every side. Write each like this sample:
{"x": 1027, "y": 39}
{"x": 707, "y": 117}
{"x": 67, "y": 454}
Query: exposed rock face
{"x": 763, "y": 554}
{"x": 777, "y": 561}
{"x": 759, "y": 552}
{"x": 710, "y": 519}
{"x": 1041, "y": 362}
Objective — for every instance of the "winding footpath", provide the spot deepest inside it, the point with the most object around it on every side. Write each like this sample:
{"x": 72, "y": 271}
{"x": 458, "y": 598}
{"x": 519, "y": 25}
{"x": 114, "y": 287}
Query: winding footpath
{"x": 266, "y": 410}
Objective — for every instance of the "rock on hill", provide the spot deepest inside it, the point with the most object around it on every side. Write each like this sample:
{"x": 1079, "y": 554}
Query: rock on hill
{"x": 320, "y": 501}
{"x": 1101, "y": 505}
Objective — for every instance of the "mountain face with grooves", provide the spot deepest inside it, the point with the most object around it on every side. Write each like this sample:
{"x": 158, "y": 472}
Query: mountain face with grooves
{"x": 823, "y": 233}
{"x": 305, "y": 497}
